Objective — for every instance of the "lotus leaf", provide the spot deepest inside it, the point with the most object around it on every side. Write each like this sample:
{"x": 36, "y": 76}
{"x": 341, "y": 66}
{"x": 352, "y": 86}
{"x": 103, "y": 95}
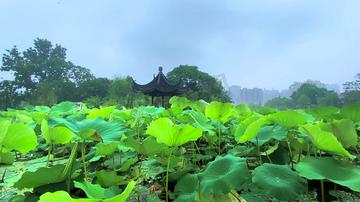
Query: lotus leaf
{"x": 17, "y": 136}
{"x": 288, "y": 119}
{"x": 64, "y": 108}
{"x": 56, "y": 135}
{"x": 340, "y": 172}
{"x": 179, "y": 102}
{"x": 172, "y": 135}
{"x": 106, "y": 149}
{"x": 351, "y": 112}
{"x": 199, "y": 120}
{"x": 101, "y": 113}
{"x": 108, "y": 130}
{"x": 322, "y": 113}
{"x": 345, "y": 132}
{"x": 223, "y": 175}
{"x": 40, "y": 177}
{"x": 218, "y": 111}
{"x": 252, "y": 130}
{"x": 148, "y": 147}
{"x": 94, "y": 191}
{"x": 109, "y": 178}
{"x": 325, "y": 140}
{"x": 279, "y": 181}
{"x": 268, "y": 133}
{"x": 243, "y": 125}
{"x": 186, "y": 188}
{"x": 65, "y": 197}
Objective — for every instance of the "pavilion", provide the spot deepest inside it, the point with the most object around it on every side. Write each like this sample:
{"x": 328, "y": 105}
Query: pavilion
{"x": 159, "y": 87}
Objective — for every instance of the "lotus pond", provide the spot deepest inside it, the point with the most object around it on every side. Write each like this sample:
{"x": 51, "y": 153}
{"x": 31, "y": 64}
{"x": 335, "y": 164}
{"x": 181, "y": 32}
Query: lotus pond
{"x": 193, "y": 151}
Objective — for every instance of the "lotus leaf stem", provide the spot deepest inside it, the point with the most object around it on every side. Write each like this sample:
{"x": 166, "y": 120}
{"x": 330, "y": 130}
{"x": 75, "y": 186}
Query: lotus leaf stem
{"x": 83, "y": 159}
{"x": 167, "y": 178}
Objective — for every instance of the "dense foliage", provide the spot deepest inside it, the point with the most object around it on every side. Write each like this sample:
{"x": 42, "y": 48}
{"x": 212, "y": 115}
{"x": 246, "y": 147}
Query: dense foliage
{"x": 193, "y": 151}
{"x": 309, "y": 95}
{"x": 200, "y": 85}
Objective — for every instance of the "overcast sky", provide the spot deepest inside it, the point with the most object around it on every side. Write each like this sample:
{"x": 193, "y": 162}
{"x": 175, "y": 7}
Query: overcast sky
{"x": 255, "y": 43}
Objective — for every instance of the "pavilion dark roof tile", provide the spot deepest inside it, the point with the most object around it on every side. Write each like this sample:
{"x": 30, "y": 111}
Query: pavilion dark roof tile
{"x": 159, "y": 86}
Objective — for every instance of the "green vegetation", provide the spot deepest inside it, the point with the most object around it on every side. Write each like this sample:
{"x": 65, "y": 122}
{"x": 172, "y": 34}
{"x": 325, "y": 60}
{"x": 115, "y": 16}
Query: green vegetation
{"x": 310, "y": 96}
{"x": 43, "y": 76}
{"x": 192, "y": 151}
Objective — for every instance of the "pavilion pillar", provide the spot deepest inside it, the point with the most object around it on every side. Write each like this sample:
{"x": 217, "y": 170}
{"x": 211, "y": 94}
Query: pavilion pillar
{"x": 162, "y": 101}
{"x": 152, "y": 100}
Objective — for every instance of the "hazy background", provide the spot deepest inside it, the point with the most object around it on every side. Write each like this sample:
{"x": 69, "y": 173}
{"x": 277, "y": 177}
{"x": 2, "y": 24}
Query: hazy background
{"x": 266, "y": 44}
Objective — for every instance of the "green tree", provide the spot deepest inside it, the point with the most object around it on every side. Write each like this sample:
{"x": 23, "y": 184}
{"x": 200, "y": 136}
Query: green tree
{"x": 353, "y": 85}
{"x": 8, "y": 94}
{"x": 121, "y": 92}
{"x": 42, "y": 72}
{"x": 351, "y": 97}
{"x": 200, "y": 85}
{"x": 309, "y": 95}
{"x": 352, "y": 91}
{"x": 97, "y": 87}
{"x": 279, "y": 103}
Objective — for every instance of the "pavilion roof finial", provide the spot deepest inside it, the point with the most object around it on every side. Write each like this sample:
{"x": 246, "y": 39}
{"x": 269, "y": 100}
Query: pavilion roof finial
{"x": 160, "y": 68}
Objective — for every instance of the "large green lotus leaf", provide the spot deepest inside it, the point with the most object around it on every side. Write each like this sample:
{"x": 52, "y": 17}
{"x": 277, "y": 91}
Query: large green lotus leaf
{"x": 151, "y": 110}
{"x": 101, "y": 113}
{"x": 186, "y": 188}
{"x": 288, "y": 119}
{"x": 121, "y": 115}
{"x": 340, "y": 172}
{"x": 166, "y": 132}
{"x": 325, "y": 140}
{"x": 242, "y": 111}
{"x": 56, "y": 135}
{"x": 94, "y": 191}
{"x": 218, "y": 111}
{"x": 279, "y": 181}
{"x": 44, "y": 109}
{"x": 180, "y": 102}
{"x": 323, "y": 112}
{"x": 64, "y": 108}
{"x": 265, "y": 110}
{"x": 6, "y": 158}
{"x": 4, "y": 126}
{"x": 40, "y": 177}
{"x": 108, "y": 130}
{"x": 20, "y": 137}
{"x": 252, "y": 130}
{"x": 199, "y": 120}
{"x": 199, "y": 105}
{"x": 109, "y": 178}
{"x": 148, "y": 147}
{"x": 38, "y": 117}
{"x": 268, "y": 133}
{"x": 223, "y": 175}
{"x": 344, "y": 130}
{"x": 351, "y": 112}
{"x": 65, "y": 197}
{"x": 106, "y": 149}
{"x": 240, "y": 130}
{"x": 24, "y": 119}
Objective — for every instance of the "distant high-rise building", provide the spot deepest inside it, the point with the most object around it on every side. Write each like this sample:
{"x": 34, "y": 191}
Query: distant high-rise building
{"x": 223, "y": 80}
{"x": 257, "y": 96}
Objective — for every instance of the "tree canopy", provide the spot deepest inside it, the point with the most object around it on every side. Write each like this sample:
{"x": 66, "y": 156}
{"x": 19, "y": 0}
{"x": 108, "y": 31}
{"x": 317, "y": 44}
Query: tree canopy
{"x": 42, "y": 73}
{"x": 307, "y": 96}
{"x": 200, "y": 84}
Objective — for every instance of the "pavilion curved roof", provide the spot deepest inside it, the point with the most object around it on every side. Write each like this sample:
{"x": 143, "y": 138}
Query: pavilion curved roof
{"x": 159, "y": 86}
